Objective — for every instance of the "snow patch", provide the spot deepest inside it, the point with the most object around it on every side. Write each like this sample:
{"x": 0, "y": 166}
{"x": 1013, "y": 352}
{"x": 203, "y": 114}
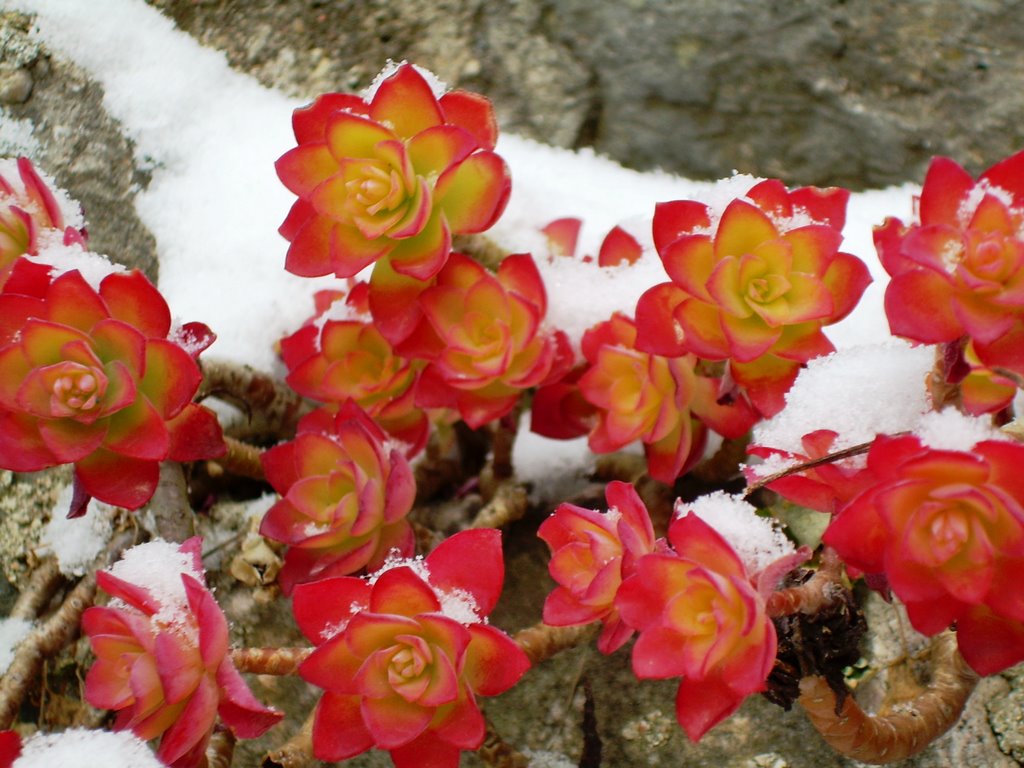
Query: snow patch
{"x": 758, "y": 541}
{"x": 80, "y": 748}
{"x": 77, "y": 542}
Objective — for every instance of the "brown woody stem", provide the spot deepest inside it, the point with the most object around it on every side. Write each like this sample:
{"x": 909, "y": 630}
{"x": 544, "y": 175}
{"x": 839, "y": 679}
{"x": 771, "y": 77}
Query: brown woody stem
{"x": 509, "y": 503}
{"x": 907, "y": 728}
{"x": 498, "y": 753}
{"x": 273, "y": 409}
{"x": 821, "y": 590}
{"x": 297, "y": 752}
{"x": 542, "y": 641}
{"x": 269, "y": 661}
{"x": 242, "y": 459}
{"x": 42, "y": 585}
{"x": 220, "y": 752}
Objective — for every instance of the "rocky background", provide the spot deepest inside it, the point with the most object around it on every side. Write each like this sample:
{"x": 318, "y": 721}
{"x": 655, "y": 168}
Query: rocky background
{"x": 854, "y": 92}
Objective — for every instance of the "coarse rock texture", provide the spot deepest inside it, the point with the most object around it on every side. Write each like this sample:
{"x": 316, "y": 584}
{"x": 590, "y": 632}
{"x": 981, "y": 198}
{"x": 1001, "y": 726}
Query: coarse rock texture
{"x": 73, "y": 139}
{"x": 813, "y": 91}
{"x": 859, "y": 93}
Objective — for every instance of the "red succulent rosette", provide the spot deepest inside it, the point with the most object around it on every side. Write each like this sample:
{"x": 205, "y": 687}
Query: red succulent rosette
{"x": 403, "y": 656}
{"x": 754, "y": 287}
{"x": 335, "y": 359}
{"x": 700, "y": 617}
{"x": 958, "y": 270}
{"x": 392, "y": 176}
{"x": 946, "y": 529}
{"x": 28, "y": 208}
{"x": 483, "y": 338}
{"x": 345, "y": 496}
{"x": 591, "y": 553}
{"x": 162, "y": 658}
{"x": 91, "y": 377}
{"x": 658, "y": 400}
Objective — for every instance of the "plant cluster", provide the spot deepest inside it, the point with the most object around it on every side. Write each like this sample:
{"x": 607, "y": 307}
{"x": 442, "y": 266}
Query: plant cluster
{"x": 405, "y": 380}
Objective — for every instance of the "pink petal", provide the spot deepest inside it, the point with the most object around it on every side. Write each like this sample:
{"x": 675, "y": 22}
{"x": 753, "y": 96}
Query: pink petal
{"x": 178, "y": 665}
{"x": 400, "y": 591}
{"x": 473, "y": 194}
{"x": 471, "y": 561}
{"x": 406, "y": 102}
{"x": 193, "y": 725}
{"x": 471, "y": 112}
{"x": 213, "y": 627}
{"x": 394, "y": 721}
{"x": 946, "y": 185}
{"x": 130, "y": 297}
{"x": 658, "y": 654}
{"x": 493, "y": 661}
{"x": 310, "y": 122}
{"x": 918, "y": 305}
{"x": 118, "y": 480}
{"x": 703, "y": 704}
{"x": 322, "y": 606}
{"x": 239, "y": 709}
{"x": 338, "y": 730}
{"x": 303, "y": 168}
{"x": 675, "y": 219}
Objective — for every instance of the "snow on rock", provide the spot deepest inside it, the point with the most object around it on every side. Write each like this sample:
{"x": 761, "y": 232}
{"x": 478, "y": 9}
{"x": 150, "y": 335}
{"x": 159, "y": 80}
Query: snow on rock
{"x": 80, "y": 748}
{"x": 12, "y": 632}
{"x": 77, "y": 542}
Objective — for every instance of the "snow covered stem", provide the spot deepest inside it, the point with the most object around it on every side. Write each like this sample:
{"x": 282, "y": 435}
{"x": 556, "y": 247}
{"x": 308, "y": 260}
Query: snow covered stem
{"x": 903, "y": 730}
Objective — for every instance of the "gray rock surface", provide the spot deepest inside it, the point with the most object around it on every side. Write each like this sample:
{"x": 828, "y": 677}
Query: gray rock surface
{"x": 860, "y": 93}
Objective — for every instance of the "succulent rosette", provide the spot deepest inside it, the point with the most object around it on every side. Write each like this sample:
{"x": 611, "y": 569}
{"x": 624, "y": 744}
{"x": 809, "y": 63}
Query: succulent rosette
{"x": 483, "y": 338}
{"x": 699, "y": 617}
{"x": 340, "y": 355}
{"x": 391, "y": 176}
{"x": 28, "y": 208}
{"x": 93, "y": 377}
{"x": 754, "y": 286}
{"x": 946, "y": 528}
{"x": 959, "y": 268}
{"x": 658, "y": 400}
{"x": 591, "y": 553}
{"x": 345, "y": 496}
{"x": 162, "y": 658}
{"x": 403, "y": 656}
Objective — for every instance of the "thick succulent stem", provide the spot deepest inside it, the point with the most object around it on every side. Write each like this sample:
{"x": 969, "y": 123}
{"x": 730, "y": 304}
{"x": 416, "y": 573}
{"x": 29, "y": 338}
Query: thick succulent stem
{"x": 821, "y": 590}
{"x": 542, "y": 641}
{"x": 909, "y": 727}
{"x": 271, "y": 407}
{"x": 269, "y": 661}
{"x": 297, "y": 752}
{"x": 242, "y": 459}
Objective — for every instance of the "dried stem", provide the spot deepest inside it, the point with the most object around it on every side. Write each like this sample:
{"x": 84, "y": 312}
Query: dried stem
{"x": 297, "y": 752}
{"x": 49, "y": 637}
{"x": 824, "y": 588}
{"x": 853, "y": 450}
{"x": 221, "y": 750}
{"x": 542, "y": 641}
{"x": 498, "y": 753}
{"x": 269, "y": 661}
{"x": 273, "y": 409}
{"x": 242, "y": 459}
{"x": 909, "y": 726}
{"x": 170, "y": 507}
{"x": 41, "y": 587}
{"x": 509, "y": 503}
